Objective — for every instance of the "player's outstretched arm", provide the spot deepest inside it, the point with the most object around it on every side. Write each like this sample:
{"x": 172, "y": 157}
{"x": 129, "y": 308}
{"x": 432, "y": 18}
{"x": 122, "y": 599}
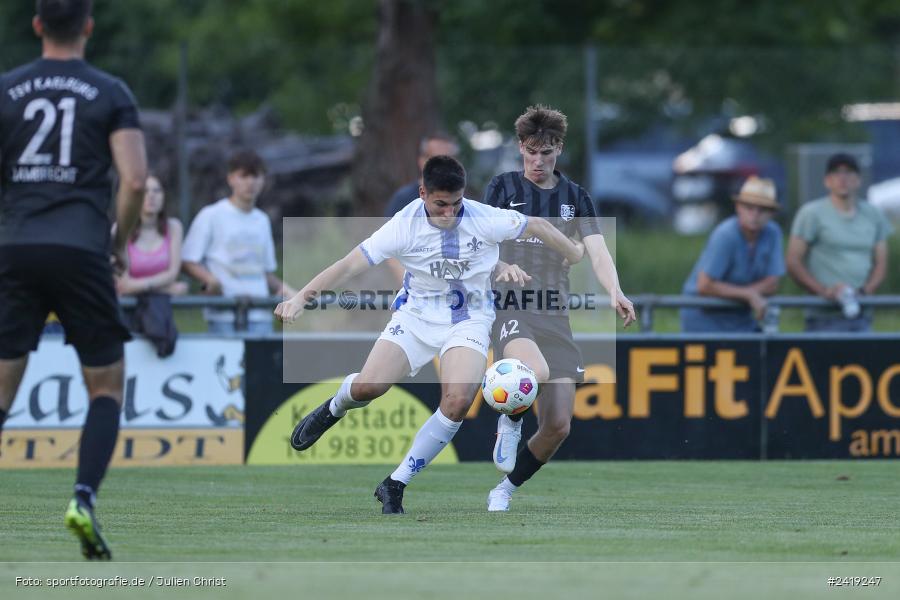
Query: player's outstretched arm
{"x": 334, "y": 276}
{"x": 550, "y": 235}
{"x": 278, "y": 286}
{"x": 605, "y": 270}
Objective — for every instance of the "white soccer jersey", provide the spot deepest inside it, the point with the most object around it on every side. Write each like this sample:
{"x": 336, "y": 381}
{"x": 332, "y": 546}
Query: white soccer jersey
{"x": 448, "y": 271}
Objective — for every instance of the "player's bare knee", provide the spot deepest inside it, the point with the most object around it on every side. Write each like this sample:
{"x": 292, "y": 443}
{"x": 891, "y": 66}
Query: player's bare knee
{"x": 555, "y": 430}
{"x": 364, "y": 391}
{"x": 455, "y": 412}
{"x": 108, "y": 381}
{"x": 105, "y": 390}
{"x": 542, "y": 372}
{"x": 455, "y": 405}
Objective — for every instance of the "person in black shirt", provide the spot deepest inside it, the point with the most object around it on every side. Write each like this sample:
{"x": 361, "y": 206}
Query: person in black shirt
{"x": 63, "y": 123}
{"x": 539, "y": 335}
{"x": 433, "y": 144}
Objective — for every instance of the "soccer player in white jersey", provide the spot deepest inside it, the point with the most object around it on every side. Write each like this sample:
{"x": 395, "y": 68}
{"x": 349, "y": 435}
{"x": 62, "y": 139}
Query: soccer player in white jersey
{"x": 449, "y": 246}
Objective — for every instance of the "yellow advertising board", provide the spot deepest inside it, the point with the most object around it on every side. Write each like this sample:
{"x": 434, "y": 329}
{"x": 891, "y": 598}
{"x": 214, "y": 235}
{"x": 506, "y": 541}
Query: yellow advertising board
{"x": 181, "y": 410}
{"x": 380, "y": 433}
{"x": 36, "y": 448}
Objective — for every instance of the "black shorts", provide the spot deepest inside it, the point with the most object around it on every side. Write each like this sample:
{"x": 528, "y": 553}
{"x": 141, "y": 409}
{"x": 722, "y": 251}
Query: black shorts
{"x": 75, "y": 284}
{"x": 552, "y": 334}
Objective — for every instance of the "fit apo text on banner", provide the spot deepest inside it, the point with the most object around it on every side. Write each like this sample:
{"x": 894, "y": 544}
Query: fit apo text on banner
{"x": 744, "y": 397}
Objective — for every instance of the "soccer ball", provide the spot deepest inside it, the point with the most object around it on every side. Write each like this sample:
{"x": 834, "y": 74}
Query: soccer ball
{"x": 509, "y": 387}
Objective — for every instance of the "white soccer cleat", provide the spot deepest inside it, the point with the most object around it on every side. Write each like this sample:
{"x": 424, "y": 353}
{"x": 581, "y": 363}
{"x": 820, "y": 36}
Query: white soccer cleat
{"x": 506, "y": 447}
{"x": 498, "y": 500}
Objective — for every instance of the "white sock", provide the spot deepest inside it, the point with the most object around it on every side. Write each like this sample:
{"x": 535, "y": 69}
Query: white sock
{"x": 507, "y": 485}
{"x": 433, "y": 437}
{"x": 343, "y": 401}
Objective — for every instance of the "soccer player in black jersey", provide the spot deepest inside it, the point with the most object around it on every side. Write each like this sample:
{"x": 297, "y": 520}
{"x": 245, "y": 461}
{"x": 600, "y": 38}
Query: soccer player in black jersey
{"x": 539, "y": 334}
{"x": 62, "y": 124}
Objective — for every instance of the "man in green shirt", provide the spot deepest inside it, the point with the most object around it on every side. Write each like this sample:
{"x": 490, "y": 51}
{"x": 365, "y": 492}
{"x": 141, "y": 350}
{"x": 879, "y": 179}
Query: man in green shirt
{"x": 838, "y": 249}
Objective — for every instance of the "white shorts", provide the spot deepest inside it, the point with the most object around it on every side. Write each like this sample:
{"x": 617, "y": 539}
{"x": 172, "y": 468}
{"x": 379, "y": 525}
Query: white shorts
{"x": 421, "y": 340}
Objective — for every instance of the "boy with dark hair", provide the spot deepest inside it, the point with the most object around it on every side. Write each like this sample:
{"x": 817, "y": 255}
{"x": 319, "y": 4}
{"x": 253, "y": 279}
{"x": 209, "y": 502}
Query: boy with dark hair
{"x": 449, "y": 246}
{"x": 541, "y": 125}
{"x": 542, "y": 337}
{"x": 246, "y": 161}
{"x": 229, "y": 247}
{"x": 62, "y": 124}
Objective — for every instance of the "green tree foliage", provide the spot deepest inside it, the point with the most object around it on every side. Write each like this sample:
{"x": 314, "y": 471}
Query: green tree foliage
{"x": 309, "y": 59}
{"x": 795, "y": 63}
{"x": 302, "y": 56}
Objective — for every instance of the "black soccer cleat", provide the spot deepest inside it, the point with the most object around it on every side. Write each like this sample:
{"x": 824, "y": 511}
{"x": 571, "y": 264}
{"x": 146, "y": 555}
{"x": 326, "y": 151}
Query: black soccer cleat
{"x": 80, "y": 521}
{"x": 312, "y": 426}
{"x": 390, "y": 494}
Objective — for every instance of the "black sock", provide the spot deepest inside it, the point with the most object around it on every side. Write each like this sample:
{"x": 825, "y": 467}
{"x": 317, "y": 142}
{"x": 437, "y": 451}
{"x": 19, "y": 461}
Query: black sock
{"x": 98, "y": 440}
{"x": 518, "y": 417}
{"x": 526, "y": 466}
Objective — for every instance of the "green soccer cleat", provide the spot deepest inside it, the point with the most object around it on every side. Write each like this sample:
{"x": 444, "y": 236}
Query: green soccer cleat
{"x": 80, "y": 520}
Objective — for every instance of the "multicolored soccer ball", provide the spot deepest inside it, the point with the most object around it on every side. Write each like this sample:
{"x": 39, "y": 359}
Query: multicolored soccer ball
{"x": 509, "y": 387}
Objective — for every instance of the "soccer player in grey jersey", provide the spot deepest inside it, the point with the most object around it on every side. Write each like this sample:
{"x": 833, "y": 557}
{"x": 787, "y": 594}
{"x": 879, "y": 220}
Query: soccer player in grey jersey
{"x": 540, "y": 335}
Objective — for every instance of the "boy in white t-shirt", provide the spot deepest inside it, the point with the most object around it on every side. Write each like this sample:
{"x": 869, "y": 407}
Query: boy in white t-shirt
{"x": 449, "y": 247}
{"x": 229, "y": 247}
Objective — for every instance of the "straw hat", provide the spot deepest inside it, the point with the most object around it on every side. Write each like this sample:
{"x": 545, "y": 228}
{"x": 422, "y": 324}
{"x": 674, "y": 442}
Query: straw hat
{"x": 758, "y": 191}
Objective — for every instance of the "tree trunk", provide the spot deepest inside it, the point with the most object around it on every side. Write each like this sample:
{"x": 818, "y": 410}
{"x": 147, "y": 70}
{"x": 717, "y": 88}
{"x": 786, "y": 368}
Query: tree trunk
{"x": 401, "y": 105}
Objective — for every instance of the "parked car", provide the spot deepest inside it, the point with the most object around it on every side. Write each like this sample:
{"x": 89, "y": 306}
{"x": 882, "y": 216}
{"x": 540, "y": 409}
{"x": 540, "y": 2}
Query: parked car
{"x": 707, "y": 175}
{"x": 661, "y": 176}
{"x": 633, "y": 185}
{"x": 885, "y": 195}
{"x": 632, "y": 178}
{"x": 666, "y": 176}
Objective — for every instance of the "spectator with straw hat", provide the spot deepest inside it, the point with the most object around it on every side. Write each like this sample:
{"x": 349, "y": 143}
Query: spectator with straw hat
{"x": 742, "y": 260}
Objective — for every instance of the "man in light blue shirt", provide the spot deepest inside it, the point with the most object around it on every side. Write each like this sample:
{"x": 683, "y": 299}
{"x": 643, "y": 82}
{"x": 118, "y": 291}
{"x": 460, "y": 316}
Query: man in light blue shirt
{"x": 742, "y": 260}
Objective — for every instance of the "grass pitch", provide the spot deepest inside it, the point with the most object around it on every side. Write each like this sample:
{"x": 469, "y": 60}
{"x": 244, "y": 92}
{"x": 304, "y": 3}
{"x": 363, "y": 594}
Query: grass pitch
{"x": 608, "y": 529}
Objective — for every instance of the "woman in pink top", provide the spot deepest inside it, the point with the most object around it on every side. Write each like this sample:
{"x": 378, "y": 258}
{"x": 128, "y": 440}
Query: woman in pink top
{"x": 154, "y": 251}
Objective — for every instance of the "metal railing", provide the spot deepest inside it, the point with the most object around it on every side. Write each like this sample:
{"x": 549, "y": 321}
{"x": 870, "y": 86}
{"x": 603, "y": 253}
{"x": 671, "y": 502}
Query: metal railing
{"x": 241, "y": 305}
{"x": 645, "y": 305}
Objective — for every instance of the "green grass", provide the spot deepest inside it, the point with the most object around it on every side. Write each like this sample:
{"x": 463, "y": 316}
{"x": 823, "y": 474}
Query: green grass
{"x": 622, "y": 517}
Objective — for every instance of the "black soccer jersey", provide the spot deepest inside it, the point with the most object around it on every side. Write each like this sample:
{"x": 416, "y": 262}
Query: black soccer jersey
{"x": 56, "y": 117}
{"x": 568, "y": 207}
